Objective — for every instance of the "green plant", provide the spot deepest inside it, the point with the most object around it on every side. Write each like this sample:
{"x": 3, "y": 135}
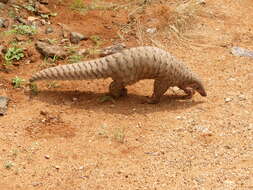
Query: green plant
{"x": 96, "y": 40}
{"x": 23, "y": 30}
{"x": 8, "y": 165}
{"x": 30, "y": 7}
{"x": 13, "y": 53}
{"x": 53, "y": 84}
{"x": 103, "y": 131}
{"x": 75, "y": 58}
{"x": 106, "y": 98}
{"x": 46, "y": 16}
{"x": 34, "y": 88}
{"x": 78, "y": 5}
{"x": 49, "y": 61}
{"x": 52, "y": 41}
{"x": 12, "y": 13}
{"x": 119, "y": 135}
{"x": 17, "y": 82}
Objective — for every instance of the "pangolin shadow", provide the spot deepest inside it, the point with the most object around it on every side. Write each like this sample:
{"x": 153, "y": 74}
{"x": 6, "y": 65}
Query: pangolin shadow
{"x": 124, "y": 105}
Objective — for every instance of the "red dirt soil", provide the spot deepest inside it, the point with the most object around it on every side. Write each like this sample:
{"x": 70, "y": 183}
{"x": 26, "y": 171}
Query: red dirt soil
{"x": 65, "y": 138}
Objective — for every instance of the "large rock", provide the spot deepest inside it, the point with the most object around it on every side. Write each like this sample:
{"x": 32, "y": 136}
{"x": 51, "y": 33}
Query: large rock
{"x": 49, "y": 50}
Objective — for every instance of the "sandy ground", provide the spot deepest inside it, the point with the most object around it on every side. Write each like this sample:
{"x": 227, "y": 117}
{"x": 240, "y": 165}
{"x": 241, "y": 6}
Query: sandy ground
{"x": 65, "y": 138}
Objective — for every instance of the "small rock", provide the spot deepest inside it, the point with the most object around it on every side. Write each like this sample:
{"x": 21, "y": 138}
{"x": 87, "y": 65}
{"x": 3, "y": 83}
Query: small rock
{"x": 42, "y": 9}
{"x": 179, "y": 118}
{"x": 64, "y": 33}
{"x": 83, "y": 52}
{"x": 50, "y": 50}
{"x": 202, "y": 129}
{"x": 175, "y": 89}
{"x": 47, "y": 156}
{"x": 32, "y": 18}
{"x": 151, "y": 30}
{"x": 21, "y": 38}
{"x": 241, "y": 97}
{"x": 250, "y": 127}
{"x": 43, "y": 2}
{"x": 112, "y": 49}
{"x": 201, "y": 1}
{"x": 49, "y": 30}
{"x": 44, "y": 22}
{"x": 228, "y": 100}
{"x": 3, "y": 104}
{"x": 35, "y": 184}
{"x": 4, "y": 23}
{"x": 57, "y": 167}
{"x": 2, "y": 49}
{"x": 76, "y": 37}
{"x": 21, "y": 20}
{"x": 238, "y": 51}
{"x": 33, "y": 21}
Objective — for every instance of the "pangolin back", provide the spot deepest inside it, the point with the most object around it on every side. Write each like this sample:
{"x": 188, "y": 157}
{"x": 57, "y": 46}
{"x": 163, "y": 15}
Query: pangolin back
{"x": 129, "y": 66}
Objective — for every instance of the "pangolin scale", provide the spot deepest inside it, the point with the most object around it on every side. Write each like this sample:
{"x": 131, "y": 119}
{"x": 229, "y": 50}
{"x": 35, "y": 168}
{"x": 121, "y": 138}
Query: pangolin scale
{"x": 128, "y": 67}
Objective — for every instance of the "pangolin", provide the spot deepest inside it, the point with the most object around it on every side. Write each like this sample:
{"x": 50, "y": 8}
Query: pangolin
{"x": 128, "y": 67}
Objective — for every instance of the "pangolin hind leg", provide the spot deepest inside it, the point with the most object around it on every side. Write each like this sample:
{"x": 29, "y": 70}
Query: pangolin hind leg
{"x": 117, "y": 89}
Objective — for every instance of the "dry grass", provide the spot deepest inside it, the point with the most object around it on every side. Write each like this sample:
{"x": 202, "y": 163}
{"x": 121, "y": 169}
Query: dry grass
{"x": 183, "y": 16}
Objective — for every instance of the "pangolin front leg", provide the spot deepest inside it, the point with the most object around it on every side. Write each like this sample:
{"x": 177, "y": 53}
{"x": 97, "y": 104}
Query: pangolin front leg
{"x": 117, "y": 89}
{"x": 160, "y": 87}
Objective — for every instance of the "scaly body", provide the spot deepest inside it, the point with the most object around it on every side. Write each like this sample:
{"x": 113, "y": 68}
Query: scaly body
{"x": 128, "y": 67}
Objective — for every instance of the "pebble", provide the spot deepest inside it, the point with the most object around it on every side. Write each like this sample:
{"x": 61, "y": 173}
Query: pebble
{"x": 43, "y": 2}
{"x": 201, "y": 1}
{"x": 21, "y": 20}
{"x": 83, "y": 52}
{"x": 21, "y": 38}
{"x": 3, "y": 104}
{"x": 35, "y": 184}
{"x": 47, "y": 156}
{"x": 32, "y": 18}
{"x": 151, "y": 30}
{"x": 202, "y": 129}
{"x": 49, "y": 30}
{"x": 1, "y": 49}
{"x": 241, "y": 97}
{"x": 3, "y": 23}
{"x": 42, "y": 9}
{"x": 228, "y": 100}
{"x": 76, "y": 37}
{"x": 74, "y": 99}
